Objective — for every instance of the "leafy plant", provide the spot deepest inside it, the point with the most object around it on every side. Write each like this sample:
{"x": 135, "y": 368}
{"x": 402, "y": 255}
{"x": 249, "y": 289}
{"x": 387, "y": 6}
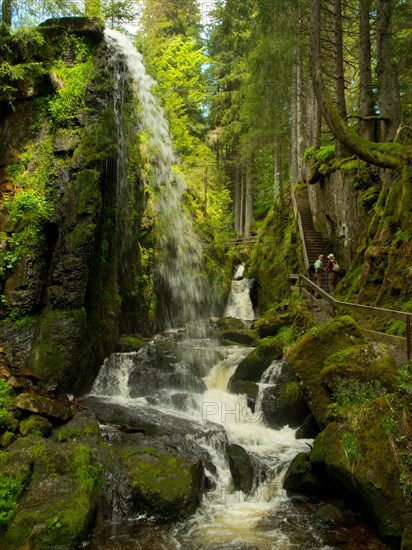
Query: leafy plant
{"x": 6, "y": 405}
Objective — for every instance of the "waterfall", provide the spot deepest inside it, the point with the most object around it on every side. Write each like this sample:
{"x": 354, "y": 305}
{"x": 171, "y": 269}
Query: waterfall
{"x": 227, "y": 518}
{"x": 239, "y": 304}
{"x": 179, "y": 259}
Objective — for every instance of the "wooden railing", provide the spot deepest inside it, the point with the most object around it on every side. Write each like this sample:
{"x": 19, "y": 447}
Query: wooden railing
{"x": 331, "y": 306}
{"x": 301, "y": 232}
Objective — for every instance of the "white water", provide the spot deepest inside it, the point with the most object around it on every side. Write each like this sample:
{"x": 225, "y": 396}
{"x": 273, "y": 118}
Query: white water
{"x": 226, "y": 518}
{"x": 180, "y": 254}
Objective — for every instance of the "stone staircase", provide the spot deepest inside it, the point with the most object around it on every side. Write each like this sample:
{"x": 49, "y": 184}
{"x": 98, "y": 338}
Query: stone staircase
{"x": 314, "y": 241}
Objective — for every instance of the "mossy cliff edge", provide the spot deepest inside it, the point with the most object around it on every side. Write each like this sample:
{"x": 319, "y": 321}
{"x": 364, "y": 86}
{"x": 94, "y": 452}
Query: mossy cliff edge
{"x": 68, "y": 226}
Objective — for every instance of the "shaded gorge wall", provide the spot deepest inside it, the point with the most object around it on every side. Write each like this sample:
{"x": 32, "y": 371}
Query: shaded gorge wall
{"x": 70, "y": 161}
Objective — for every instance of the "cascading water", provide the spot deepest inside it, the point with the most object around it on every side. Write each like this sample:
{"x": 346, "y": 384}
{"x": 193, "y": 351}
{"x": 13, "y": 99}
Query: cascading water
{"x": 239, "y": 304}
{"x": 190, "y": 396}
{"x": 180, "y": 252}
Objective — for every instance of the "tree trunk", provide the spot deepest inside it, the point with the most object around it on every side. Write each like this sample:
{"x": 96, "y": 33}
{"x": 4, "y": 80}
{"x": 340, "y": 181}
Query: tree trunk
{"x": 277, "y": 172}
{"x": 248, "y": 201}
{"x": 366, "y": 99}
{"x": 372, "y": 153}
{"x": 389, "y": 100}
{"x": 339, "y": 77}
{"x": 5, "y": 16}
{"x": 294, "y": 132}
{"x": 237, "y": 200}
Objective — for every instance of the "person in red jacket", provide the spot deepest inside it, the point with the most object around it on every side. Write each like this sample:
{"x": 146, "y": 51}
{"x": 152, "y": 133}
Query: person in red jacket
{"x": 330, "y": 274}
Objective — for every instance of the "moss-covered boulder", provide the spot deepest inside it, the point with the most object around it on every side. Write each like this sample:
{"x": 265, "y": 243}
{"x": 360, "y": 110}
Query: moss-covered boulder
{"x": 357, "y": 459}
{"x": 310, "y": 355}
{"x": 163, "y": 483}
{"x": 300, "y": 478}
{"x": 255, "y": 363}
{"x": 36, "y": 425}
{"x": 364, "y": 363}
{"x": 283, "y": 404}
{"x": 42, "y": 405}
{"x": 58, "y": 494}
{"x": 244, "y": 337}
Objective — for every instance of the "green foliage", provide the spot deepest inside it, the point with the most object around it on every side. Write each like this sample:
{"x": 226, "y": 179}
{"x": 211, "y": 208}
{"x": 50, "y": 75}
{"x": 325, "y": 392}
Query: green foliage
{"x": 325, "y": 153}
{"x": 29, "y": 208}
{"x": 6, "y": 406}
{"x": 71, "y": 85}
{"x": 10, "y": 488}
{"x": 352, "y": 398}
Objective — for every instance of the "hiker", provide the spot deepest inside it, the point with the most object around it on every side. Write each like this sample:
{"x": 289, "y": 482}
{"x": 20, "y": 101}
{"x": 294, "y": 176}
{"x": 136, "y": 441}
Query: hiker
{"x": 331, "y": 271}
{"x": 319, "y": 271}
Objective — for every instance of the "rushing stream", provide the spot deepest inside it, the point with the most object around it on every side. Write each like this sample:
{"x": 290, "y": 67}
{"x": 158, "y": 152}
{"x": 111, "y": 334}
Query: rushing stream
{"x": 178, "y": 385}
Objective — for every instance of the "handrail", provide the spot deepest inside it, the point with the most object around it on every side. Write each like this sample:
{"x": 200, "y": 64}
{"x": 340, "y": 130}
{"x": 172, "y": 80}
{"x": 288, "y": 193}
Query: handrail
{"x": 301, "y": 232}
{"x": 333, "y": 305}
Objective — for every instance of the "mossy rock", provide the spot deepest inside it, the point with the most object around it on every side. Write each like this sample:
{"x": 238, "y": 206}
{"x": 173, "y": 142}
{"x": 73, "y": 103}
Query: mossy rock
{"x": 255, "y": 363}
{"x": 357, "y": 460}
{"x": 363, "y": 362}
{"x": 230, "y": 323}
{"x": 284, "y": 405}
{"x": 162, "y": 483}
{"x": 271, "y": 322}
{"x": 35, "y": 425}
{"x": 300, "y": 478}
{"x": 243, "y": 337}
{"x": 60, "y": 345}
{"x": 58, "y": 506}
{"x": 81, "y": 427}
{"x": 42, "y": 405}
{"x": 310, "y": 355}
{"x": 131, "y": 342}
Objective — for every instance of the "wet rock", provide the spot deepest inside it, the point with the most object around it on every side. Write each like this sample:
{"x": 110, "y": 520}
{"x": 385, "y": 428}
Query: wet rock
{"x": 59, "y": 502}
{"x": 255, "y": 363}
{"x": 35, "y": 425}
{"x": 162, "y": 482}
{"x": 250, "y": 389}
{"x": 245, "y": 337}
{"x": 301, "y": 479}
{"x": 309, "y": 428}
{"x": 328, "y": 513}
{"x": 45, "y": 406}
{"x": 241, "y": 468}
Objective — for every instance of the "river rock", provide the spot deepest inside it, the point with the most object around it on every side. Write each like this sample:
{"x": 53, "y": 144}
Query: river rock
{"x": 283, "y": 404}
{"x": 44, "y": 406}
{"x": 36, "y": 425}
{"x": 241, "y": 468}
{"x": 255, "y": 363}
{"x": 300, "y": 478}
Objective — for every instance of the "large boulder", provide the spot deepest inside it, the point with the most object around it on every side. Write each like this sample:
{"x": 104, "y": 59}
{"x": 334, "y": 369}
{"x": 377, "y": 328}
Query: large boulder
{"x": 255, "y": 363}
{"x": 241, "y": 468}
{"x": 358, "y": 461}
{"x": 283, "y": 404}
{"x": 163, "y": 482}
{"x": 310, "y": 355}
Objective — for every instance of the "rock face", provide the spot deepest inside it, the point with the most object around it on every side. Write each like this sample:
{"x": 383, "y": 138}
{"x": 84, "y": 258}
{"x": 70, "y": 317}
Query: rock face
{"x": 352, "y": 390}
{"x": 67, "y": 293}
{"x": 65, "y": 482}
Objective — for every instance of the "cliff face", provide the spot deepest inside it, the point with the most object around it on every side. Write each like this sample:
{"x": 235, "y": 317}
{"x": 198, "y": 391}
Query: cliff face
{"x": 70, "y": 218}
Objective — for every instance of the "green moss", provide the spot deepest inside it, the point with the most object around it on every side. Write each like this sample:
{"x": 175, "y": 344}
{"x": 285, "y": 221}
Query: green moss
{"x": 61, "y": 335}
{"x": 7, "y": 420}
{"x": 310, "y": 355}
